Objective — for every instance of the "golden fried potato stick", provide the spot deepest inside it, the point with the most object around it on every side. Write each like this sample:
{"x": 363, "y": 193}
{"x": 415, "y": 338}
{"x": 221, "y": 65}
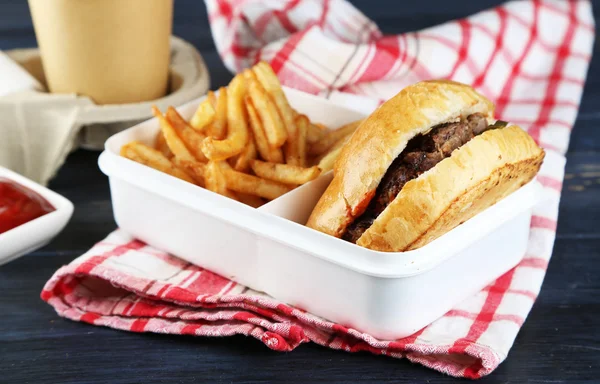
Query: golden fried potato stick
{"x": 191, "y": 138}
{"x": 302, "y": 124}
{"x": 285, "y": 173}
{"x": 212, "y": 99}
{"x": 218, "y": 128}
{"x": 237, "y": 125}
{"x": 215, "y": 179}
{"x": 161, "y": 144}
{"x": 315, "y": 132}
{"x": 332, "y": 137}
{"x": 338, "y": 144}
{"x": 224, "y": 165}
{"x": 175, "y": 143}
{"x": 268, "y": 79}
{"x": 326, "y": 162}
{"x": 242, "y": 163}
{"x": 251, "y": 200}
{"x": 195, "y": 169}
{"x": 203, "y": 116}
{"x": 252, "y": 185}
{"x": 249, "y": 75}
{"x": 153, "y": 158}
{"x": 267, "y": 152}
{"x": 269, "y": 116}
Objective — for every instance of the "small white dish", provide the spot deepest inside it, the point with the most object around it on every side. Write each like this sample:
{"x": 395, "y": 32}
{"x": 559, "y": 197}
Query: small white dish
{"x": 38, "y": 232}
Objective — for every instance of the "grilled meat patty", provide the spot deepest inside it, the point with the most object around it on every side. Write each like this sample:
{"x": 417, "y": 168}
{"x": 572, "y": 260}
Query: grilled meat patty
{"x": 422, "y": 153}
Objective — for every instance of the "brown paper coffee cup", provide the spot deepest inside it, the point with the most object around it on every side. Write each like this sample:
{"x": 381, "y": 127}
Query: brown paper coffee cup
{"x": 113, "y": 51}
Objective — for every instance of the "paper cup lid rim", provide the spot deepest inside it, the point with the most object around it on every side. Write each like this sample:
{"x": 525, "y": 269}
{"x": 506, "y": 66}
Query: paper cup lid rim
{"x": 196, "y": 82}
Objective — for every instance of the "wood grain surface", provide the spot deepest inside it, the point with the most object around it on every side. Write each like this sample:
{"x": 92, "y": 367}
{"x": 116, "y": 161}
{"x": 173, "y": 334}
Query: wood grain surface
{"x": 559, "y": 342}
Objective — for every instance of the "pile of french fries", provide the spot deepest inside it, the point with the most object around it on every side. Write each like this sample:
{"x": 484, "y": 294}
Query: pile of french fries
{"x": 245, "y": 142}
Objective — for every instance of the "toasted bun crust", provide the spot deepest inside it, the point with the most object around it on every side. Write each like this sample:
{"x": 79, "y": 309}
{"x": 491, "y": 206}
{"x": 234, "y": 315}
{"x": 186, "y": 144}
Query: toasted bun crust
{"x": 366, "y": 157}
{"x": 477, "y": 175}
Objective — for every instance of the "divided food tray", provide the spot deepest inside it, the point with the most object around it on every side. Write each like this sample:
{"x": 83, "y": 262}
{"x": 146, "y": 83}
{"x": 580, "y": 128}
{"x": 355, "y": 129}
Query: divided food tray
{"x": 388, "y": 295}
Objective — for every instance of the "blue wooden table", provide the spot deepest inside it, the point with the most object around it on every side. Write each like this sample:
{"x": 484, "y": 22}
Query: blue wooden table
{"x": 559, "y": 343}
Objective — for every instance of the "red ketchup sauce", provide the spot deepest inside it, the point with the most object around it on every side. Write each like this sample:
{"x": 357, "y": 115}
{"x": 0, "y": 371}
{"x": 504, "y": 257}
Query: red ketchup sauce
{"x": 19, "y": 205}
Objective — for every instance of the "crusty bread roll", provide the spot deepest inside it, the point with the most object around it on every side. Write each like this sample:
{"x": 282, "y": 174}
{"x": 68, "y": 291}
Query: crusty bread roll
{"x": 476, "y": 175}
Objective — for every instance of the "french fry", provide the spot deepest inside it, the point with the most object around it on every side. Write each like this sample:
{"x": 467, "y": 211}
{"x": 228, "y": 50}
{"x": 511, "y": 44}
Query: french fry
{"x": 338, "y": 144}
{"x": 245, "y": 142}
{"x": 285, "y": 173}
{"x": 268, "y": 79}
{"x": 225, "y": 165}
{"x": 212, "y": 99}
{"x": 315, "y": 132}
{"x": 195, "y": 169}
{"x": 249, "y": 75}
{"x": 251, "y": 200}
{"x": 237, "y": 125}
{"x": 215, "y": 179}
{"x": 242, "y": 163}
{"x": 218, "y": 128}
{"x": 173, "y": 140}
{"x": 161, "y": 144}
{"x": 331, "y": 137}
{"x": 153, "y": 158}
{"x": 252, "y": 185}
{"x": 203, "y": 116}
{"x": 267, "y": 152}
{"x": 326, "y": 162}
{"x": 192, "y": 138}
{"x": 272, "y": 122}
{"x": 302, "y": 123}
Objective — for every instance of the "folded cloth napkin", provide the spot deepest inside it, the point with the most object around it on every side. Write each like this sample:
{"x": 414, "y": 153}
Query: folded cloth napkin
{"x": 14, "y": 78}
{"x": 531, "y": 58}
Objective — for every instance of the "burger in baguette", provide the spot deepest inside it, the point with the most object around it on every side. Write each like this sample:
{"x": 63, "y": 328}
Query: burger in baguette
{"x": 424, "y": 162}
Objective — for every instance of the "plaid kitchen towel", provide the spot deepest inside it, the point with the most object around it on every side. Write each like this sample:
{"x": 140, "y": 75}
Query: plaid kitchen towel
{"x": 530, "y": 57}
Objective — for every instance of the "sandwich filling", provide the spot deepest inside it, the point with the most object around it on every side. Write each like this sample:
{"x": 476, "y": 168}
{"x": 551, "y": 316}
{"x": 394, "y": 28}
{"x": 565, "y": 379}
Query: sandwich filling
{"x": 422, "y": 153}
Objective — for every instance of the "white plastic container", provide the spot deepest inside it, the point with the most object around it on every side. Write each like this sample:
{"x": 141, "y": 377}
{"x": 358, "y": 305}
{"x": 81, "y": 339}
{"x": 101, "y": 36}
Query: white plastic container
{"x": 388, "y": 295}
{"x": 38, "y": 232}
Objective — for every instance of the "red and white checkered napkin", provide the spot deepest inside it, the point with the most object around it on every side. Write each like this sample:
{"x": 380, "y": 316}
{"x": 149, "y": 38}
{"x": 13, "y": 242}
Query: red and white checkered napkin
{"x": 530, "y": 57}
